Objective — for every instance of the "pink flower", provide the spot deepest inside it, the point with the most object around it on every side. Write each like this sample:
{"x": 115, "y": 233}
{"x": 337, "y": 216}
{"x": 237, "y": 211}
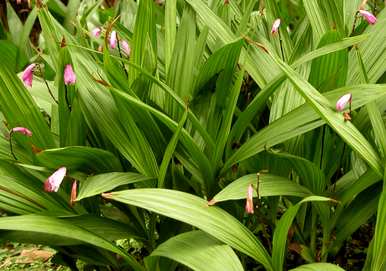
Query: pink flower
{"x": 369, "y": 17}
{"x": 275, "y": 26}
{"x": 73, "y": 193}
{"x": 22, "y": 130}
{"x": 96, "y": 32}
{"x": 126, "y": 47}
{"x": 342, "y": 102}
{"x": 113, "y": 40}
{"x": 53, "y": 182}
{"x": 249, "y": 202}
{"x": 28, "y": 75}
{"x": 69, "y": 75}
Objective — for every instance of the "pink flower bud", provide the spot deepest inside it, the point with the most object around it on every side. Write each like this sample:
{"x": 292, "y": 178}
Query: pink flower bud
{"x": 73, "y": 193}
{"x": 369, "y": 17}
{"x": 249, "y": 202}
{"x": 113, "y": 40}
{"x": 69, "y": 75}
{"x": 22, "y": 130}
{"x": 96, "y": 32}
{"x": 126, "y": 47}
{"x": 275, "y": 26}
{"x": 53, "y": 182}
{"x": 342, "y": 102}
{"x": 28, "y": 75}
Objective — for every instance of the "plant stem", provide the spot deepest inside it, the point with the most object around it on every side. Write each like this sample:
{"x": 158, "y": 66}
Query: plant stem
{"x": 281, "y": 47}
{"x": 45, "y": 81}
{"x": 313, "y": 231}
{"x": 66, "y": 96}
{"x": 120, "y": 54}
{"x": 355, "y": 22}
{"x": 10, "y": 145}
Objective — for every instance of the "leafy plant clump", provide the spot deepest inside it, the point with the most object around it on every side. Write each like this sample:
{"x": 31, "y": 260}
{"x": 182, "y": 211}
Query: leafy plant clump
{"x": 191, "y": 134}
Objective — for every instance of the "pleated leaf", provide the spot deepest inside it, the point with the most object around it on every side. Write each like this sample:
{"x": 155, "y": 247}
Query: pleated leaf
{"x": 196, "y": 212}
{"x": 199, "y": 251}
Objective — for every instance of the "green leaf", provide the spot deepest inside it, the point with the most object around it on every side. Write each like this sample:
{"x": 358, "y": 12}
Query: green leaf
{"x": 318, "y": 267}
{"x": 19, "y": 109}
{"x": 199, "y": 251}
{"x": 300, "y": 121}
{"x": 170, "y": 30}
{"x": 81, "y": 158}
{"x": 269, "y": 185}
{"x": 317, "y": 18}
{"x": 281, "y": 232}
{"x": 259, "y": 101}
{"x": 196, "y": 212}
{"x": 378, "y": 262}
{"x": 345, "y": 129}
{"x": 52, "y": 225}
{"x": 170, "y": 149}
{"x": 95, "y": 185}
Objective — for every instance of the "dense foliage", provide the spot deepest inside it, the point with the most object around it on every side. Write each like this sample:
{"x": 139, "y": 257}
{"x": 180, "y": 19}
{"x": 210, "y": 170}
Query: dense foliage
{"x": 214, "y": 135}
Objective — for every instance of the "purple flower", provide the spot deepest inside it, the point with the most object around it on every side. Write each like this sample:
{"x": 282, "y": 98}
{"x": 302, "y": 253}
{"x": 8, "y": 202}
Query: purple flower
{"x": 126, "y": 47}
{"x": 113, "y": 40}
{"x": 53, "y": 182}
{"x": 28, "y": 75}
{"x": 369, "y": 17}
{"x": 342, "y": 102}
{"x": 249, "y": 202}
{"x": 22, "y": 130}
{"x": 69, "y": 75}
{"x": 96, "y": 32}
{"x": 275, "y": 26}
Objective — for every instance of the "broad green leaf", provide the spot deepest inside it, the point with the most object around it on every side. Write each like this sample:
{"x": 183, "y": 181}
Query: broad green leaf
{"x": 378, "y": 261}
{"x": 281, "y": 232}
{"x": 19, "y": 109}
{"x": 318, "y": 267}
{"x": 55, "y": 226}
{"x": 269, "y": 185}
{"x": 196, "y": 212}
{"x": 373, "y": 53}
{"x": 300, "y": 121}
{"x": 170, "y": 150}
{"x": 345, "y": 129}
{"x": 317, "y": 18}
{"x": 144, "y": 32}
{"x": 95, "y": 185}
{"x": 259, "y": 101}
{"x": 81, "y": 158}
{"x": 170, "y": 30}
{"x": 199, "y": 251}
{"x": 351, "y": 217}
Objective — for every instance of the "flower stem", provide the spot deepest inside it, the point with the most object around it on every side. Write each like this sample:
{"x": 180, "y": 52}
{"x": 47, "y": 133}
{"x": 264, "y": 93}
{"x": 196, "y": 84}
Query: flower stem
{"x": 120, "y": 54}
{"x": 45, "y": 81}
{"x": 10, "y": 145}
{"x": 281, "y": 47}
{"x": 66, "y": 96}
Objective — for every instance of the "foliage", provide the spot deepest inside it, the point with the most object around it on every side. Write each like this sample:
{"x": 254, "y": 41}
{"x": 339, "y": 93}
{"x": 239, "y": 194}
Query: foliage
{"x": 161, "y": 141}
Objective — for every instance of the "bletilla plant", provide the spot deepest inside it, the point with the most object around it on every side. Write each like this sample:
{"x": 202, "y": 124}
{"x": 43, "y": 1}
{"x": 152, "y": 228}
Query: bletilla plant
{"x": 200, "y": 135}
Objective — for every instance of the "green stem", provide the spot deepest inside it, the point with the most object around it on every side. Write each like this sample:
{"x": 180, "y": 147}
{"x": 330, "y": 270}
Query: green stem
{"x": 45, "y": 81}
{"x": 313, "y": 232}
{"x": 281, "y": 46}
{"x": 66, "y": 97}
{"x": 120, "y": 54}
{"x": 10, "y": 145}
